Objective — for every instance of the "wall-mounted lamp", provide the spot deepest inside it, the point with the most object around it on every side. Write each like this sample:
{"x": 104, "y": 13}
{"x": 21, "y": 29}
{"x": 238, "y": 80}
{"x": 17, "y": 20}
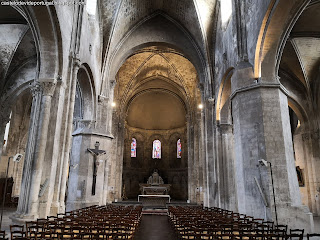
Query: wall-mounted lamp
{"x": 200, "y": 106}
{"x": 113, "y": 104}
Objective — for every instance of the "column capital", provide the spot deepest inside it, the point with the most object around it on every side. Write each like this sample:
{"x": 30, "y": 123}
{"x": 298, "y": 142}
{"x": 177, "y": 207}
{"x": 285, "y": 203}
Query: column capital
{"x": 48, "y": 88}
{"x": 113, "y": 83}
{"x": 102, "y": 99}
{"x": 211, "y": 101}
{"x": 35, "y": 89}
{"x": 76, "y": 62}
{"x": 4, "y": 114}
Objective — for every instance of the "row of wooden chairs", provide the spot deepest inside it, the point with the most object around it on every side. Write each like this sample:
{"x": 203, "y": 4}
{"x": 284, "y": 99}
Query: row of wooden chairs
{"x": 216, "y": 223}
{"x": 94, "y": 222}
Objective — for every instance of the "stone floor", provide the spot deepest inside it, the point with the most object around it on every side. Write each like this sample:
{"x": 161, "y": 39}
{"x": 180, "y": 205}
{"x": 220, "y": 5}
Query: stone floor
{"x": 316, "y": 221}
{"x": 155, "y": 227}
{"x": 152, "y": 227}
{"x": 6, "y": 221}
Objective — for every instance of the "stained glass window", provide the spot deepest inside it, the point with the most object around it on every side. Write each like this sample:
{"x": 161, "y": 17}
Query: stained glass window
{"x": 178, "y": 148}
{"x": 156, "y": 149}
{"x": 134, "y": 148}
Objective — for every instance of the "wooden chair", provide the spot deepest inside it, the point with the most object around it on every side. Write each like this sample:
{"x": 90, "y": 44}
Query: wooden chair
{"x": 313, "y": 235}
{"x": 17, "y": 231}
{"x": 296, "y": 234}
{"x": 3, "y": 235}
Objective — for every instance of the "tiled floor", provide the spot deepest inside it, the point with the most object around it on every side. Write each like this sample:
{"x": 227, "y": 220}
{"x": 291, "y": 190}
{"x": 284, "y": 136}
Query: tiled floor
{"x": 155, "y": 227}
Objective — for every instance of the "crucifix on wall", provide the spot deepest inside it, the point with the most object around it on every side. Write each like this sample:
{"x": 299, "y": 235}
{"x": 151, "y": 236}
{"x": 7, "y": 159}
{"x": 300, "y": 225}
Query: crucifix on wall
{"x": 95, "y": 152}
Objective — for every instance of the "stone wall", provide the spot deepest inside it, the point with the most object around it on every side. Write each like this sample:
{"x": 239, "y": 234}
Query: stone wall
{"x": 172, "y": 169}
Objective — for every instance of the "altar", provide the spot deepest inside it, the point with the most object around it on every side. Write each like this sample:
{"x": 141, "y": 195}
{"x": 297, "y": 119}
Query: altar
{"x": 154, "y": 193}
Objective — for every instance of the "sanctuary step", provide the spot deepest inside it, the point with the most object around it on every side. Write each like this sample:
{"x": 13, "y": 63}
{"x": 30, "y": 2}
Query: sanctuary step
{"x": 155, "y": 211}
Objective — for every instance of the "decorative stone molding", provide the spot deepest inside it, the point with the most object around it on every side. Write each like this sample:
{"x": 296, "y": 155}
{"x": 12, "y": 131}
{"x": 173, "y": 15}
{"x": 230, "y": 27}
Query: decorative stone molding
{"x": 112, "y": 83}
{"x": 35, "y": 89}
{"x": 76, "y": 62}
{"x": 211, "y": 101}
{"x": 103, "y": 99}
{"x": 48, "y": 88}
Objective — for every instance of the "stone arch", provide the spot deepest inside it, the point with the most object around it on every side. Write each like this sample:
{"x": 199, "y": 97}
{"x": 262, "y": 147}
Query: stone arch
{"x": 174, "y": 162}
{"x": 299, "y": 111}
{"x": 276, "y": 26}
{"x": 88, "y": 91}
{"x": 16, "y": 142}
{"x": 43, "y": 22}
{"x": 133, "y": 42}
{"x": 140, "y": 149}
{"x": 224, "y": 92}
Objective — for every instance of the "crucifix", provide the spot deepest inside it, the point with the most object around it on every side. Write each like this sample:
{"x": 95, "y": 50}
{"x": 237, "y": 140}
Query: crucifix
{"x": 95, "y": 152}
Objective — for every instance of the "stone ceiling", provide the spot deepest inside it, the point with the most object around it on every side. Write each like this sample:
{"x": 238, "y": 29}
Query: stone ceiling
{"x": 157, "y": 71}
{"x": 301, "y": 55}
{"x": 120, "y": 17}
{"x": 18, "y": 46}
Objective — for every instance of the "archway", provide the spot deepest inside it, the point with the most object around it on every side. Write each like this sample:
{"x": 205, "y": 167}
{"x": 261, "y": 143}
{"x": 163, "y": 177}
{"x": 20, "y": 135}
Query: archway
{"x": 156, "y": 98}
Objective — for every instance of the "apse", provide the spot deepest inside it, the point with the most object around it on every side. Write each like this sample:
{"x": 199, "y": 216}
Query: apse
{"x": 156, "y": 110}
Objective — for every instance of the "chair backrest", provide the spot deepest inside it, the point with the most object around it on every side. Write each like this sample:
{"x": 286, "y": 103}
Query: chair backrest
{"x": 313, "y": 235}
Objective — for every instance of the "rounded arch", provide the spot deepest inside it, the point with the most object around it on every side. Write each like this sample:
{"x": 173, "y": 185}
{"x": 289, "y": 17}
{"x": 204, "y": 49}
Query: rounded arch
{"x": 88, "y": 92}
{"x": 276, "y": 26}
{"x": 135, "y": 40}
{"x": 43, "y": 22}
{"x": 224, "y": 91}
{"x": 299, "y": 111}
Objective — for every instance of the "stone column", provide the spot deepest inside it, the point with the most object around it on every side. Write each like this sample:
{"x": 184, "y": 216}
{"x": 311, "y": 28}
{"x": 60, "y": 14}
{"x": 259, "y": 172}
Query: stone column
{"x": 227, "y": 170}
{"x": 202, "y": 159}
{"x": 314, "y": 166}
{"x": 210, "y": 149}
{"x": 47, "y": 93}
{"x": 23, "y": 204}
{"x": 191, "y": 176}
{"x": 304, "y": 159}
{"x": 262, "y": 131}
{"x": 4, "y": 119}
{"x": 67, "y": 148}
{"x": 52, "y": 206}
{"x": 40, "y": 114}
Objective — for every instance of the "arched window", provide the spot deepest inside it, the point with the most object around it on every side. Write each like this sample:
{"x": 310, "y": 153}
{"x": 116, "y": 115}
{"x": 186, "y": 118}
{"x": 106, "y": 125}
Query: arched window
{"x": 179, "y": 148}
{"x": 156, "y": 150}
{"x": 134, "y": 148}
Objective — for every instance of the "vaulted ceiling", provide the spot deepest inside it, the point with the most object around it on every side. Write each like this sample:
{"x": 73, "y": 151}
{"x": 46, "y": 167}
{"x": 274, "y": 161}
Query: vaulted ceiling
{"x": 165, "y": 74}
{"x": 194, "y": 17}
{"x": 301, "y": 56}
{"x": 17, "y": 50}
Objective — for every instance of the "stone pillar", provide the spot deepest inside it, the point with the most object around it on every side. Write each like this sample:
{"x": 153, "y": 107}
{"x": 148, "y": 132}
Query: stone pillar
{"x": 51, "y": 205}
{"x": 23, "y": 204}
{"x": 202, "y": 159}
{"x": 37, "y": 166}
{"x": 40, "y": 114}
{"x": 4, "y": 119}
{"x": 314, "y": 166}
{"x": 226, "y": 168}
{"x": 304, "y": 159}
{"x": 262, "y": 131}
{"x": 191, "y": 179}
{"x": 68, "y": 141}
{"x": 210, "y": 149}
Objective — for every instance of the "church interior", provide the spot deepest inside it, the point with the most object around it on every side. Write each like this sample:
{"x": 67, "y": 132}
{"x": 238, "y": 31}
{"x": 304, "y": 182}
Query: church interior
{"x": 160, "y": 110}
